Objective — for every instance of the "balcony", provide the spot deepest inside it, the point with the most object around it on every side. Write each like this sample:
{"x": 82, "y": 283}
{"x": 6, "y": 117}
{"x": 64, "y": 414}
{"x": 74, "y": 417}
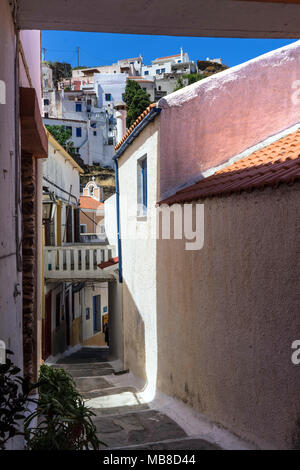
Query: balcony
{"x": 77, "y": 262}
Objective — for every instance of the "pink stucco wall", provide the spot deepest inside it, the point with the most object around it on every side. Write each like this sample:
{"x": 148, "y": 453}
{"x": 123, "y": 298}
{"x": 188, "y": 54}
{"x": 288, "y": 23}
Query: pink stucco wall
{"x": 31, "y": 43}
{"x": 206, "y": 123}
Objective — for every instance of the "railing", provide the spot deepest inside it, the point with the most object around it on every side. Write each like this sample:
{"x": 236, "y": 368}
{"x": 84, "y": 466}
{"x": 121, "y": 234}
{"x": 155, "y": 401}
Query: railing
{"x": 76, "y": 262}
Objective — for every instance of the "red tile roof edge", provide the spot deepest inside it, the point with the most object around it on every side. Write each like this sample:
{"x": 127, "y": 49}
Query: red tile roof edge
{"x": 136, "y": 122}
{"x": 167, "y": 57}
{"x": 87, "y": 202}
{"x": 277, "y": 163}
{"x": 110, "y": 262}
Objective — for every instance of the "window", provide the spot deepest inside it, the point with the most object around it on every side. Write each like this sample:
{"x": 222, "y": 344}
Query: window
{"x": 69, "y": 128}
{"x": 110, "y": 141}
{"x": 159, "y": 88}
{"x": 142, "y": 195}
{"x": 78, "y": 131}
{"x": 78, "y": 107}
{"x": 46, "y": 115}
{"x": 89, "y": 102}
{"x": 107, "y": 97}
{"x": 179, "y": 61}
{"x": 95, "y": 133}
{"x": 146, "y": 72}
{"x": 46, "y": 102}
{"x": 83, "y": 228}
{"x": 162, "y": 70}
{"x": 157, "y": 71}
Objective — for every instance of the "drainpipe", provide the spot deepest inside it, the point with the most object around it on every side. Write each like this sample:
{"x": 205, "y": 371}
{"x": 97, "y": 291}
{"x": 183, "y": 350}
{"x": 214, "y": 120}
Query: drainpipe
{"x": 118, "y": 218}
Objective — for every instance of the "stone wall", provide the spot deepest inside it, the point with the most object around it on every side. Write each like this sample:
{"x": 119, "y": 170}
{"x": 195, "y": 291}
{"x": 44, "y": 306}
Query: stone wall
{"x": 29, "y": 257}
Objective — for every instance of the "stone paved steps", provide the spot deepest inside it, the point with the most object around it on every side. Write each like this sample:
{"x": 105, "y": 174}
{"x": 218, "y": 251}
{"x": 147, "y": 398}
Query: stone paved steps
{"x": 121, "y": 420}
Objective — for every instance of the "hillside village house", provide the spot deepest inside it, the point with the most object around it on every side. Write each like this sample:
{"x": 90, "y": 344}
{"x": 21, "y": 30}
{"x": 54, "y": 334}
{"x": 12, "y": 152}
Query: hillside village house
{"x": 213, "y": 326}
{"x": 76, "y": 294}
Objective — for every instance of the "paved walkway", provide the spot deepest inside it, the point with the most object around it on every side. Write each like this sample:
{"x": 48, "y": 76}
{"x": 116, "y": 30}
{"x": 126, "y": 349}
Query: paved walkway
{"x": 122, "y": 421}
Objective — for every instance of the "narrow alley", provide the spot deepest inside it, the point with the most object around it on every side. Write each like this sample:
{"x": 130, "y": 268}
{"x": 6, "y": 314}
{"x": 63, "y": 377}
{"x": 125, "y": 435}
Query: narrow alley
{"x": 122, "y": 420}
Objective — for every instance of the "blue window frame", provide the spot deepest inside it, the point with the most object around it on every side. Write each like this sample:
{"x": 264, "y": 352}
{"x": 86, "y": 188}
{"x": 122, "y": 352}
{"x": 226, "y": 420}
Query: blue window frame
{"x": 97, "y": 313}
{"x": 146, "y": 72}
{"x": 144, "y": 182}
{"x": 78, "y": 131}
{"x": 142, "y": 188}
{"x": 163, "y": 71}
{"x": 78, "y": 107}
{"x": 107, "y": 97}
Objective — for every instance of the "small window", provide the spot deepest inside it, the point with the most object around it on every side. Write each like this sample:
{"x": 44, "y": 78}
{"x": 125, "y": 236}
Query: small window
{"x": 78, "y": 132}
{"x": 77, "y": 150}
{"x": 110, "y": 141}
{"x": 157, "y": 71}
{"x": 162, "y": 70}
{"x": 142, "y": 190}
{"x": 46, "y": 115}
{"x": 159, "y": 88}
{"x": 46, "y": 102}
{"x": 107, "y": 97}
{"x": 69, "y": 129}
{"x": 146, "y": 72}
{"x": 78, "y": 107}
{"x": 94, "y": 133}
{"x": 179, "y": 61}
{"x": 89, "y": 102}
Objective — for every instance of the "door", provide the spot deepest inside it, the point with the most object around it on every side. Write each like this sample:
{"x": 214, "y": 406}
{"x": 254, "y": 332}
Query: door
{"x": 67, "y": 308}
{"x": 97, "y": 313}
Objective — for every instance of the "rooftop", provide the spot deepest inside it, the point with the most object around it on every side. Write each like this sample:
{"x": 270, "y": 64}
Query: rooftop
{"x": 276, "y": 163}
{"x": 134, "y": 125}
{"x": 87, "y": 202}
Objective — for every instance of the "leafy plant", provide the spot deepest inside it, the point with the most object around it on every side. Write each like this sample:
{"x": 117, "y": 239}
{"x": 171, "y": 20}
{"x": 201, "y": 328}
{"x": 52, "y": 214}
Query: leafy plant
{"x": 136, "y": 99}
{"x": 62, "y": 135}
{"x": 14, "y": 400}
{"x": 64, "y": 422}
{"x": 60, "y": 70}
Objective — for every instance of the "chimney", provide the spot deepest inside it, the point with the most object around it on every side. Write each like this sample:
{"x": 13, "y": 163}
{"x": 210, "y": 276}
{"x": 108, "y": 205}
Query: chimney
{"x": 121, "y": 120}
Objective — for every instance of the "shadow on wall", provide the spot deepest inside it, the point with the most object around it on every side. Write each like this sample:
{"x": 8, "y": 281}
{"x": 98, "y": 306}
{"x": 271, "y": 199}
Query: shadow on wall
{"x": 134, "y": 336}
{"x": 228, "y": 314}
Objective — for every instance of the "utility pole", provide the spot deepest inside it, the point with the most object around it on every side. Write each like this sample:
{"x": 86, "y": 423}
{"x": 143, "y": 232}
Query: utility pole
{"x": 77, "y": 51}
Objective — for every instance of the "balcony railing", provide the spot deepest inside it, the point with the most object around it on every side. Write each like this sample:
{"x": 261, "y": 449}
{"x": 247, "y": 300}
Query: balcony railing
{"x": 77, "y": 262}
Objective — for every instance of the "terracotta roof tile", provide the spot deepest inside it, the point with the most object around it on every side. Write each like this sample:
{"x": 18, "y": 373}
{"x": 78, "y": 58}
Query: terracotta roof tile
{"x": 168, "y": 56}
{"x": 277, "y": 163}
{"x": 87, "y": 202}
{"x": 110, "y": 262}
{"x": 136, "y": 122}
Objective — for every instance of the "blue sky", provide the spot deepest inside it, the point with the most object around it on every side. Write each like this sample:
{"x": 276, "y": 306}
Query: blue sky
{"x": 104, "y": 48}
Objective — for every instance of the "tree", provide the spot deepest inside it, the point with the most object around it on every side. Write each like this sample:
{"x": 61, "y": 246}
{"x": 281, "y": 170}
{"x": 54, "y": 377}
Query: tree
{"x": 62, "y": 135}
{"x": 136, "y": 99}
{"x": 60, "y": 70}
